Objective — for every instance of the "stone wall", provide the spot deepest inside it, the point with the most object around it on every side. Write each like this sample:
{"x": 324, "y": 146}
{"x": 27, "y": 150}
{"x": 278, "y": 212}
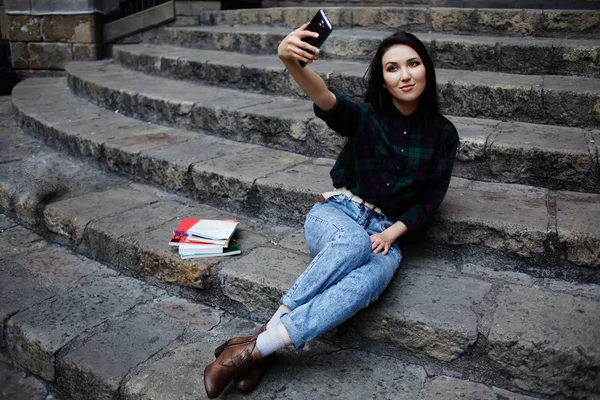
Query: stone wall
{"x": 188, "y": 11}
{"x": 49, "y": 42}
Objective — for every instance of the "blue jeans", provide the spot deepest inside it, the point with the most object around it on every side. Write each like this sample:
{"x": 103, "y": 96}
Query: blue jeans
{"x": 345, "y": 276}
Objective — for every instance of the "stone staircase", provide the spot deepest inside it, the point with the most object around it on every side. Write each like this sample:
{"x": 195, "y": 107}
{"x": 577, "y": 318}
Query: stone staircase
{"x": 498, "y": 298}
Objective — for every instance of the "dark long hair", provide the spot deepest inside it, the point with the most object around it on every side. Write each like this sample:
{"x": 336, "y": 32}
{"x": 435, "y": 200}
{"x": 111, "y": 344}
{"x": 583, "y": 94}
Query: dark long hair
{"x": 380, "y": 98}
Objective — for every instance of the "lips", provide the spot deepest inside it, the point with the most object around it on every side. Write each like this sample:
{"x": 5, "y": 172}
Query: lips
{"x": 407, "y": 88}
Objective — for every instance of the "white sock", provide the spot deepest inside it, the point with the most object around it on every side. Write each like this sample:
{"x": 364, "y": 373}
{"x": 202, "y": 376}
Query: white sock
{"x": 269, "y": 342}
{"x": 274, "y": 321}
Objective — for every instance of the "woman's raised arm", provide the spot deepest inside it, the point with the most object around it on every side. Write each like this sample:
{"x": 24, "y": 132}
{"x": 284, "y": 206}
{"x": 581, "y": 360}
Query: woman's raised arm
{"x": 291, "y": 50}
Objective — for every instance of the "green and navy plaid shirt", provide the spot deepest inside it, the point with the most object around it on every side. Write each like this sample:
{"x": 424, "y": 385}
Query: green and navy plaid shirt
{"x": 397, "y": 162}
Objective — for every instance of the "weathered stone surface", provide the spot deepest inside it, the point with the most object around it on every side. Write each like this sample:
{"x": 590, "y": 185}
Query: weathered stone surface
{"x": 426, "y": 311}
{"x": 451, "y": 20}
{"x": 446, "y": 388}
{"x": 545, "y": 341}
{"x": 19, "y": 55}
{"x": 512, "y": 223}
{"x": 17, "y": 240}
{"x": 412, "y": 19}
{"x": 169, "y": 165}
{"x": 179, "y": 372}
{"x": 520, "y": 22}
{"x": 49, "y": 55}
{"x": 34, "y": 336}
{"x": 234, "y": 175}
{"x": 23, "y": 6}
{"x": 71, "y": 216}
{"x": 257, "y": 281}
{"x": 70, "y": 28}
{"x": 294, "y": 190}
{"x": 86, "y": 52}
{"x": 95, "y": 367}
{"x": 23, "y": 28}
{"x": 113, "y": 238}
{"x": 296, "y": 242}
{"x": 540, "y": 151}
{"x": 16, "y": 385}
{"x": 6, "y": 223}
{"x": 576, "y": 218}
{"x": 573, "y": 101}
{"x": 578, "y": 21}
{"x": 474, "y": 136}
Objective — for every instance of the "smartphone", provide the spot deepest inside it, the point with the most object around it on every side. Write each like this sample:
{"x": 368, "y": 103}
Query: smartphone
{"x": 321, "y": 25}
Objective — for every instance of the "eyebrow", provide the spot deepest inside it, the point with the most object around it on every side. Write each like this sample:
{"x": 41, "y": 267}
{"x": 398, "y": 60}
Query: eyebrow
{"x": 409, "y": 60}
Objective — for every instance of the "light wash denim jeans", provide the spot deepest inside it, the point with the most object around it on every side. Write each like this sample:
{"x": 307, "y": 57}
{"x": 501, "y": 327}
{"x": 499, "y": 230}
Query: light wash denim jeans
{"x": 345, "y": 276}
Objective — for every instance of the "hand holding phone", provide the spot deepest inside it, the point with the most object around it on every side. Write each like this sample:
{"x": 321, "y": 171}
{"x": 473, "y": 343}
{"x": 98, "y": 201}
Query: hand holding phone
{"x": 321, "y": 25}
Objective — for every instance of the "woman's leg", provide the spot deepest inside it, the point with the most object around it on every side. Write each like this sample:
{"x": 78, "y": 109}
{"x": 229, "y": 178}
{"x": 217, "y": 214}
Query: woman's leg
{"x": 339, "y": 302}
{"x": 340, "y": 243}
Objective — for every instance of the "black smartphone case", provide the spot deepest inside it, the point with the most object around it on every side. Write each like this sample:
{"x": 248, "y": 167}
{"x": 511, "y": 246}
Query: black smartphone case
{"x": 319, "y": 24}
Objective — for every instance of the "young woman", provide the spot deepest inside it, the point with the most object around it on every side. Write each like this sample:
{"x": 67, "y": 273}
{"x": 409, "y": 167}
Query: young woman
{"x": 390, "y": 177}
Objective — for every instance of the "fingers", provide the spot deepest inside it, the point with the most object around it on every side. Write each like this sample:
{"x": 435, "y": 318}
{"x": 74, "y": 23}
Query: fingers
{"x": 378, "y": 245}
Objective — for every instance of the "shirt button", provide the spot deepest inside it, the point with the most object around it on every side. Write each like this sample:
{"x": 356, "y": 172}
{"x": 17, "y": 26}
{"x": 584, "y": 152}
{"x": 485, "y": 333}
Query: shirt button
{"x": 405, "y": 132}
{"x": 403, "y": 150}
{"x": 388, "y": 184}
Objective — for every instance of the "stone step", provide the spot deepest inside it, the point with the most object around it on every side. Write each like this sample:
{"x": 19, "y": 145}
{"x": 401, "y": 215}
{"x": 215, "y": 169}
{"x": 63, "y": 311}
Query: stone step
{"x": 511, "y": 4}
{"x": 60, "y": 326}
{"x": 516, "y": 55}
{"x": 549, "y": 156}
{"x": 562, "y": 100}
{"x": 95, "y": 332}
{"x": 467, "y": 20}
{"x": 545, "y": 232}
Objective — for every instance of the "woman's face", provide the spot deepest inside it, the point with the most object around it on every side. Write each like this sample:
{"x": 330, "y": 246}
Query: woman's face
{"x": 404, "y": 76}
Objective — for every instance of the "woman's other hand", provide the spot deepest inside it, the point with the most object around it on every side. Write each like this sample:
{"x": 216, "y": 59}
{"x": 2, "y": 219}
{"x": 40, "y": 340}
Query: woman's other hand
{"x": 381, "y": 242}
{"x": 292, "y": 47}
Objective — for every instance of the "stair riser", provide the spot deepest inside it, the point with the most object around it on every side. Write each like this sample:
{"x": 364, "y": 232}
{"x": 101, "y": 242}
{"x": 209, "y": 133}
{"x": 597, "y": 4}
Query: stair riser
{"x": 528, "y": 59}
{"x": 501, "y": 22}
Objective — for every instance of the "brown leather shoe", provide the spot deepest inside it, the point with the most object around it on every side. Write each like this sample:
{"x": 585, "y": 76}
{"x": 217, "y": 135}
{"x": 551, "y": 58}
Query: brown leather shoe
{"x": 248, "y": 381}
{"x": 237, "y": 358}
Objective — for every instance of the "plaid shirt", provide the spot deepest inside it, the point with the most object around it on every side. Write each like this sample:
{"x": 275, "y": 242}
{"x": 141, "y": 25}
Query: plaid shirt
{"x": 394, "y": 161}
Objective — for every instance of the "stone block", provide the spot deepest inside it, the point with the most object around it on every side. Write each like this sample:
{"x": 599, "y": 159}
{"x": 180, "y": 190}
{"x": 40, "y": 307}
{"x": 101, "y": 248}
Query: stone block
{"x": 540, "y": 151}
{"x": 257, "y": 281}
{"x": 20, "y": 55}
{"x": 516, "y": 22}
{"x": 545, "y": 341}
{"x": 572, "y": 101}
{"x": 24, "y": 28}
{"x": 295, "y": 241}
{"x": 289, "y": 194}
{"x": 49, "y": 55}
{"x": 576, "y": 217}
{"x": 16, "y": 384}
{"x": 70, "y": 28}
{"x": 405, "y": 18}
{"x": 234, "y": 175}
{"x": 169, "y": 166}
{"x": 87, "y": 52}
{"x": 365, "y": 17}
{"x": 426, "y": 311}
{"x": 474, "y": 136}
{"x": 23, "y": 6}
{"x": 165, "y": 264}
{"x": 95, "y": 367}
{"x": 452, "y": 19}
{"x": 464, "y": 54}
{"x": 36, "y": 335}
{"x": 70, "y": 217}
{"x": 183, "y": 8}
{"x": 514, "y": 223}
{"x": 446, "y": 388}
{"x": 579, "y": 21}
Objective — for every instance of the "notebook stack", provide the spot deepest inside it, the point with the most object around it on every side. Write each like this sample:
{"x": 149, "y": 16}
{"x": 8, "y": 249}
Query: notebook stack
{"x": 205, "y": 238}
